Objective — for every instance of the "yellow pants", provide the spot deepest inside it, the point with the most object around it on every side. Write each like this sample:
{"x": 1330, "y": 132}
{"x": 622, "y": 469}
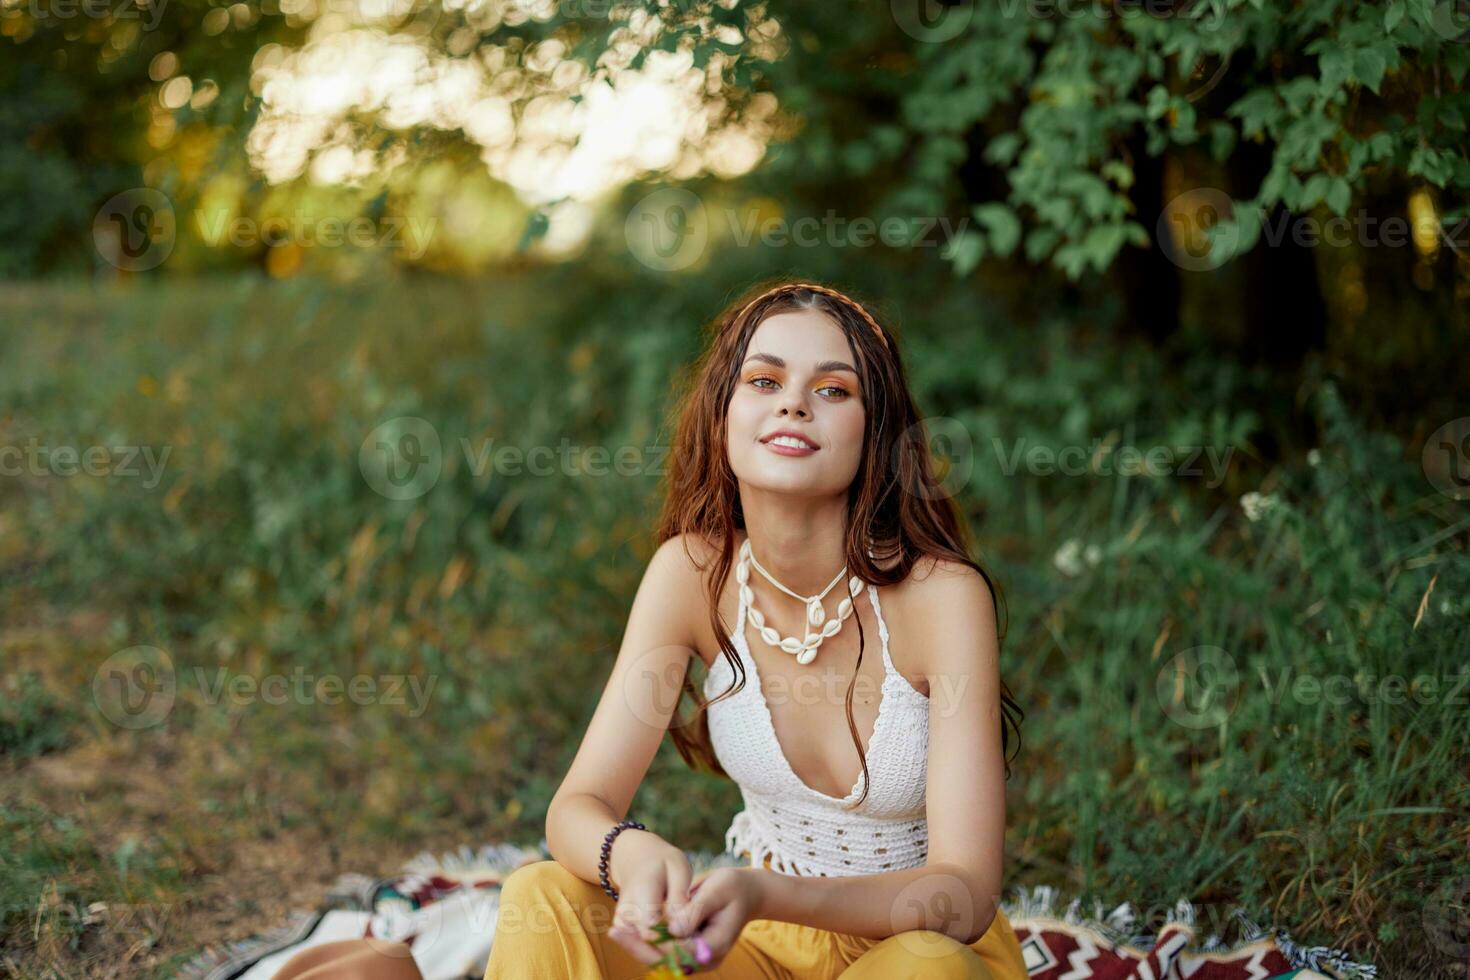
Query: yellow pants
{"x": 553, "y": 925}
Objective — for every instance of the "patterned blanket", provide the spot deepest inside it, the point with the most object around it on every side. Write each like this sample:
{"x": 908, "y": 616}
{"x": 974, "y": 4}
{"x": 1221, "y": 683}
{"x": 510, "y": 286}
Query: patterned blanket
{"x": 445, "y": 907}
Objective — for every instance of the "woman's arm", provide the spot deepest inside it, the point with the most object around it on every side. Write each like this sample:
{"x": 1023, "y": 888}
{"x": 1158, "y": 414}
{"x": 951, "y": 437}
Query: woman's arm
{"x": 629, "y": 722}
{"x": 958, "y": 890}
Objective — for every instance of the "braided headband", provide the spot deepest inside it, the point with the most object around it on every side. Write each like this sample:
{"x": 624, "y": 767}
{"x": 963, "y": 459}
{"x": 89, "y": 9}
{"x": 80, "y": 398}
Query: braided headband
{"x": 825, "y": 291}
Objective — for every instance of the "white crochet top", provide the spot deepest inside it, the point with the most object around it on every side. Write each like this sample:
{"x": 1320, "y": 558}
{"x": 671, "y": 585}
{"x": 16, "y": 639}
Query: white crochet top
{"x": 803, "y": 830}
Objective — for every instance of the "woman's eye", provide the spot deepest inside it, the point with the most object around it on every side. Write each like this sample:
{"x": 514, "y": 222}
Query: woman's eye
{"x": 837, "y": 391}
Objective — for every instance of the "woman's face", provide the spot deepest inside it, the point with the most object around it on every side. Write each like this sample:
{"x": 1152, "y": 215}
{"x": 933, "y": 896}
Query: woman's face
{"x": 800, "y": 376}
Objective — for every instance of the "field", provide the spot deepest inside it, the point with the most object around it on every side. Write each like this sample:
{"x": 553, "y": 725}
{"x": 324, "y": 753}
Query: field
{"x": 1241, "y": 652}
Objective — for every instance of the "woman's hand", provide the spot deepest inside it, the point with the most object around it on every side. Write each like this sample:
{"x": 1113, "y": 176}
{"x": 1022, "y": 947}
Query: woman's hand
{"x": 722, "y": 903}
{"x": 652, "y": 879}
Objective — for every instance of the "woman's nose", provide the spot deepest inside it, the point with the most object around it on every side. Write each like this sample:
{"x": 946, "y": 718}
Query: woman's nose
{"x": 793, "y": 403}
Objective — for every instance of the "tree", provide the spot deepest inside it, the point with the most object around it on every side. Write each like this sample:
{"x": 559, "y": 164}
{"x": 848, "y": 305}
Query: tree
{"x": 1057, "y": 126}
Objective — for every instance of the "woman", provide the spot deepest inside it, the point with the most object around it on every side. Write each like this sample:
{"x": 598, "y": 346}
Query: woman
{"x": 798, "y": 454}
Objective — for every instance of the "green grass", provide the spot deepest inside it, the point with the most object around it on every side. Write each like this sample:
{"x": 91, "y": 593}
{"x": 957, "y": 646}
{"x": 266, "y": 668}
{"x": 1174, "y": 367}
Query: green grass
{"x": 32, "y": 718}
{"x": 261, "y": 549}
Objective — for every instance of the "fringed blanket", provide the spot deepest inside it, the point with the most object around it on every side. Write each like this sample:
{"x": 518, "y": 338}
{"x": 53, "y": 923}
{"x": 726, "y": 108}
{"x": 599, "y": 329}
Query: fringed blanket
{"x": 445, "y": 909}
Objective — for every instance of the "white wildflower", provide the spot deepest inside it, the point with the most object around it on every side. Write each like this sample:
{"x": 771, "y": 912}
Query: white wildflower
{"x": 1314, "y": 456}
{"x": 1067, "y": 557}
{"x": 1256, "y": 505}
{"x": 1092, "y": 554}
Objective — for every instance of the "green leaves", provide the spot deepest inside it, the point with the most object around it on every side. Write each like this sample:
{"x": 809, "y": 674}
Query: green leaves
{"x": 965, "y": 252}
{"x": 1002, "y": 224}
{"x": 1394, "y": 15}
{"x": 1098, "y": 248}
{"x": 1258, "y": 111}
{"x": 1336, "y": 93}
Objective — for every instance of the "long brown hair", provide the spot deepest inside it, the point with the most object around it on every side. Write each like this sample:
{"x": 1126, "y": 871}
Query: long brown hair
{"x": 895, "y": 505}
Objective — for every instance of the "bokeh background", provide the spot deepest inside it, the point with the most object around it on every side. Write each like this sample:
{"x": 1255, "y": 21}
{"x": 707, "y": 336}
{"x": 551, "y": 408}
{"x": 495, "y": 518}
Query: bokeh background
{"x": 337, "y": 336}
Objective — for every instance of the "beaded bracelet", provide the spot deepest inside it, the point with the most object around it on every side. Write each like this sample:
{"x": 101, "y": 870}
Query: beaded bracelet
{"x": 607, "y": 842}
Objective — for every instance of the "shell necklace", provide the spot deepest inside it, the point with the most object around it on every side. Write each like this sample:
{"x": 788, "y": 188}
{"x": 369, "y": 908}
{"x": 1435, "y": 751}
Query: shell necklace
{"x": 805, "y": 649}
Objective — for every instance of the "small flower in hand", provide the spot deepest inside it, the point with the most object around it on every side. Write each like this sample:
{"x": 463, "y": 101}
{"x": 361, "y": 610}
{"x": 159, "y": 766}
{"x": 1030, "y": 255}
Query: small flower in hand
{"x": 678, "y": 961}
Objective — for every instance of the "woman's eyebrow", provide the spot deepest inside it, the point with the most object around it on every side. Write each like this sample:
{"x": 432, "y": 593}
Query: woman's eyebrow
{"x": 780, "y": 362}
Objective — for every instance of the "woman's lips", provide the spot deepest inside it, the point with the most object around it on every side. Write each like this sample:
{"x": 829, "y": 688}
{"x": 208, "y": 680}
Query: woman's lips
{"x": 775, "y": 447}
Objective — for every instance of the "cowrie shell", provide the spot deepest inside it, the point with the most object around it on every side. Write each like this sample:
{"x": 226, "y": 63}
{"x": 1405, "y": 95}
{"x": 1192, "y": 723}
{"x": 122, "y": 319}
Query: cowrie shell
{"x": 806, "y": 656}
{"x": 791, "y": 644}
{"x": 758, "y": 618}
{"x": 770, "y": 636}
{"x": 855, "y": 586}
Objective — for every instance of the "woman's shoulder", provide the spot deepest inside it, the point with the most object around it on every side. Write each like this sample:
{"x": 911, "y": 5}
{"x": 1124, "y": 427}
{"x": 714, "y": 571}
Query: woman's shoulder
{"x": 685, "y": 562}
{"x": 935, "y": 578}
{"x": 690, "y": 552}
{"x": 935, "y": 588}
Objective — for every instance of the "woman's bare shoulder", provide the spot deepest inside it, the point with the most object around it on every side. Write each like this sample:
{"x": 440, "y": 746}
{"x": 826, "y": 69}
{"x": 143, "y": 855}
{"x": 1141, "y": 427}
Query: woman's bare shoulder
{"x": 925, "y": 579}
{"x": 691, "y": 552}
{"x": 934, "y": 586}
{"x": 689, "y": 560}
{"x": 935, "y": 573}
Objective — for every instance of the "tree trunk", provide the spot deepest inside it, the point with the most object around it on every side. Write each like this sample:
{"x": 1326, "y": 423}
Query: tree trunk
{"x": 1283, "y": 315}
{"x": 1151, "y": 285}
